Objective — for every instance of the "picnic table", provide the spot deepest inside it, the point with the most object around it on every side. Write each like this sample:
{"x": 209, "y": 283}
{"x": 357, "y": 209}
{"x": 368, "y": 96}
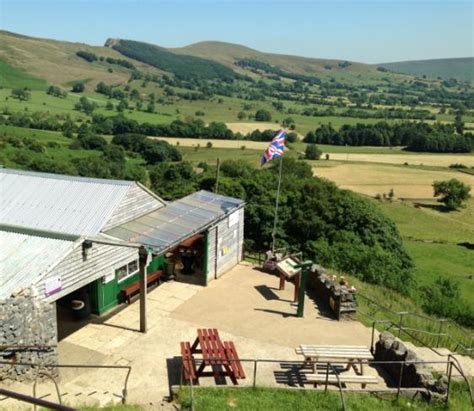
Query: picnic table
{"x": 351, "y": 354}
{"x": 220, "y": 355}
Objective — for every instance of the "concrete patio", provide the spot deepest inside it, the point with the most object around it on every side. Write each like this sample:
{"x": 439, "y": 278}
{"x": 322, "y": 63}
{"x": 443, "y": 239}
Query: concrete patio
{"x": 244, "y": 305}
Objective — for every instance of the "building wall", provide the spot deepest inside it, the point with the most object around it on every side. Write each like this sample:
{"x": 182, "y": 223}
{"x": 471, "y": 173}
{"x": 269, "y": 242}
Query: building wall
{"x": 136, "y": 202}
{"x": 106, "y": 291}
{"x": 76, "y": 271}
{"x": 226, "y": 252}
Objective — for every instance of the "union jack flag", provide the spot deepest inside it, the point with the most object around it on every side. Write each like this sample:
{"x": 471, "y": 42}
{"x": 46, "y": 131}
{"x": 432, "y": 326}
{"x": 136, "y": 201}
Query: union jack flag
{"x": 275, "y": 149}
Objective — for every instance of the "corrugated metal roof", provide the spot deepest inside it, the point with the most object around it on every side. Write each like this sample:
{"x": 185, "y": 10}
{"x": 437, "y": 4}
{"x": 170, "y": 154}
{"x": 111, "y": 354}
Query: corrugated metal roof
{"x": 66, "y": 204}
{"x": 25, "y": 258}
{"x": 169, "y": 225}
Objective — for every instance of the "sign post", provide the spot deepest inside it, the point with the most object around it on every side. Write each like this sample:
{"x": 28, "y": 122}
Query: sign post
{"x": 305, "y": 267}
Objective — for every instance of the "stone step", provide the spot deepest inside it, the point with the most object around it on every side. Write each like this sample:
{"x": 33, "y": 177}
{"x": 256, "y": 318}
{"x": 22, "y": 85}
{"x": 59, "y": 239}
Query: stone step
{"x": 426, "y": 354}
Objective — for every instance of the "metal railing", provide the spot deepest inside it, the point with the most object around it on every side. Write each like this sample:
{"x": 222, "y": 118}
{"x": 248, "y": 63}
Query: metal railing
{"x": 451, "y": 359}
{"x": 435, "y": 328}
{"x": 397, "y": 390}
{"x": 43, "y": 370}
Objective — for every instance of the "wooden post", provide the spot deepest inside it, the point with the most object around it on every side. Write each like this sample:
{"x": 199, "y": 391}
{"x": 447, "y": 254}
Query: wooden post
{"x": 142, "y": 258}
{"x": 305, "y": 267}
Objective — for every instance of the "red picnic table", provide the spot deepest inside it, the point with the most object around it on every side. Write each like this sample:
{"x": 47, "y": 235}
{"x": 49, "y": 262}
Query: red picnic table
{"x": 220, "y": 356}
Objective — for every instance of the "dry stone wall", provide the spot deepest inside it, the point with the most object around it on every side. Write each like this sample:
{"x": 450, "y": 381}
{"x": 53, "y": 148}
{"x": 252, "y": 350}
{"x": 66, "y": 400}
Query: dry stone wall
{"x": 28, "y": 334}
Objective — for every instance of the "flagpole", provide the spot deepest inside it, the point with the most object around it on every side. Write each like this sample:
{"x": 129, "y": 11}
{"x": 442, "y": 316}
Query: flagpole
{"x": 276, "y": 206}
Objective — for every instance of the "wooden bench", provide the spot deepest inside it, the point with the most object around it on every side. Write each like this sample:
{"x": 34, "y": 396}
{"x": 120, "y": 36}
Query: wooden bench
{"x": 134, "y": 287}
{"x": 189, "y": 366}
{"x": 234, "y": 361}
{"x": 344, "y": 379}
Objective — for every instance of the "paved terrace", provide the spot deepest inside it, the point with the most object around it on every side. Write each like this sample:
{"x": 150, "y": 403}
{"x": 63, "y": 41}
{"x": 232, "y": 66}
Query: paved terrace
{"x": 245, "y": 305}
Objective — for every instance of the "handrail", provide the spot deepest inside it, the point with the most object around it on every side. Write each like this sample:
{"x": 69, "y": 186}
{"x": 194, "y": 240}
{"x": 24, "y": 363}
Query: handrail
{"x": 46, "y": 374}
{"x": 338, "y": 383}
{"x": 457, "y": 365}
{"x": 35, "y": 401}
{"x": 128, "y": 368}
{"x": 439, "y": 334}
{"x": 450, "y": 362}
{"x": 422, "y": 316}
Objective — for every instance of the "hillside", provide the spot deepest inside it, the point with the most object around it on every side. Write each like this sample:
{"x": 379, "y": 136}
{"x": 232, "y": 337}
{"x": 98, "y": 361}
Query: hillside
{"x": 181, "y": 65}
{"x": 228, "y": 53}
{"x": 461, "y": 69}
{"x": 57, "y": 63}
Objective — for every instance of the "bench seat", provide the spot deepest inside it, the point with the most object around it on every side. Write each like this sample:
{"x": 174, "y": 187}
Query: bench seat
{"x": 134, "y": 287}
{"x": 189, "y": 366}
{"x": 344, "y": 379}
{"x": 234, "y": 361}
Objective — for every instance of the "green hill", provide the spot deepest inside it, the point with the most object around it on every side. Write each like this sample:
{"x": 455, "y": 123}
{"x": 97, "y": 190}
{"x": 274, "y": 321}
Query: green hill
{"x": 56, "y": 62}
{"x": 458, "y": 68}
{"x": 183, "y": 66}
{"x": 229, "y": 54}
{"x": 17, "y": 78}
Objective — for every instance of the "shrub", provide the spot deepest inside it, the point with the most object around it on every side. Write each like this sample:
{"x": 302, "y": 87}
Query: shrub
{"x": 451, "y": 192}
{"x": 263, "y": 115}
{"x": 90, "y": 57}
{"x": 312, "y": 152}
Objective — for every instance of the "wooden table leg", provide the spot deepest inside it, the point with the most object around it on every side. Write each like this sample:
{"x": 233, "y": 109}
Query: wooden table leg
{"x": 282, "y": 282}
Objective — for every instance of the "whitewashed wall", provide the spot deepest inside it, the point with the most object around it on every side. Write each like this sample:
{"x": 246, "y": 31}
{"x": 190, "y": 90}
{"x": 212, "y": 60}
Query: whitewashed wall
{"x": 227, "y": 251}
{"x": 75, "y": 271}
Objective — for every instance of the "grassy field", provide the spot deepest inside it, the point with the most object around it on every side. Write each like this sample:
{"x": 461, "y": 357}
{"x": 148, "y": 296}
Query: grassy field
{"x": 438, "y": 160}
{"x": 372, "y": 179}
{"x": 433, "y": 239}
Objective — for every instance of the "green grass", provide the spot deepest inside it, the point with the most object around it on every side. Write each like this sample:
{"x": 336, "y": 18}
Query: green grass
{"x": 210, "y": 155}
{"x": 328, "y": 148}
{"x": 12, "y": 77}
{"x": 458, "y": 68}
{"x": 431, "y": 224}
{"x": 444, "y": 260}
{"x": 265, "y": 399}
{"x": 62, "y": 153}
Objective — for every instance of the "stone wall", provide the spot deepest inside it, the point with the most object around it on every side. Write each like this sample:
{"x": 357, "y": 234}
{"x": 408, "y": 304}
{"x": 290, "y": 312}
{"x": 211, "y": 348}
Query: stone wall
{"x": 341, "y": 299}
{"x": 389, "y": 348}
{"x": 25, "y": 320}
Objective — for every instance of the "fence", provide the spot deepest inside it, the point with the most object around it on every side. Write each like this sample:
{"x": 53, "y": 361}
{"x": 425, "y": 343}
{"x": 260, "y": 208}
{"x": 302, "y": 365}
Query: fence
{"x": 331, "y": 366}
{"x": 431, "y": 332}
{"x": 421, "y": 329}
{"x": 44, "y": 371}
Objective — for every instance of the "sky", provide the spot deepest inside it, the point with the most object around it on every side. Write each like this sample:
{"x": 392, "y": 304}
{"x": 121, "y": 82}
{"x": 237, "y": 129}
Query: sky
{"x": 372, "y": 31}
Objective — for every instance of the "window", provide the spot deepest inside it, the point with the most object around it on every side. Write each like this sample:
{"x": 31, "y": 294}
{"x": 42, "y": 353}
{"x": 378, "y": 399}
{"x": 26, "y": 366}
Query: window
{"x": 127, "y": 270}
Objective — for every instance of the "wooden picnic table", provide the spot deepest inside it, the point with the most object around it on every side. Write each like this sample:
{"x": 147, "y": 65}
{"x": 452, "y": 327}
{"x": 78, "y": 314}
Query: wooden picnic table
{"x": 220, "y": 356}
{"x": 323, "y": 353}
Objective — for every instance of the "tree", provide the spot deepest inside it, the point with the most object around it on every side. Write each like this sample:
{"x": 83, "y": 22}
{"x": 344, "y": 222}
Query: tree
{"x": 458, "y": 123}
{"x": 451, "y": 192}
{"x": 150, "y": 108}
{"x": 56, "y": 92}
{"x": 312, "y": 152}
{"x": 288, "y": 122}
{"x": 21, "y": 94}
{"x": 263, "y": 115}
{"x": 78, "y": 87}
